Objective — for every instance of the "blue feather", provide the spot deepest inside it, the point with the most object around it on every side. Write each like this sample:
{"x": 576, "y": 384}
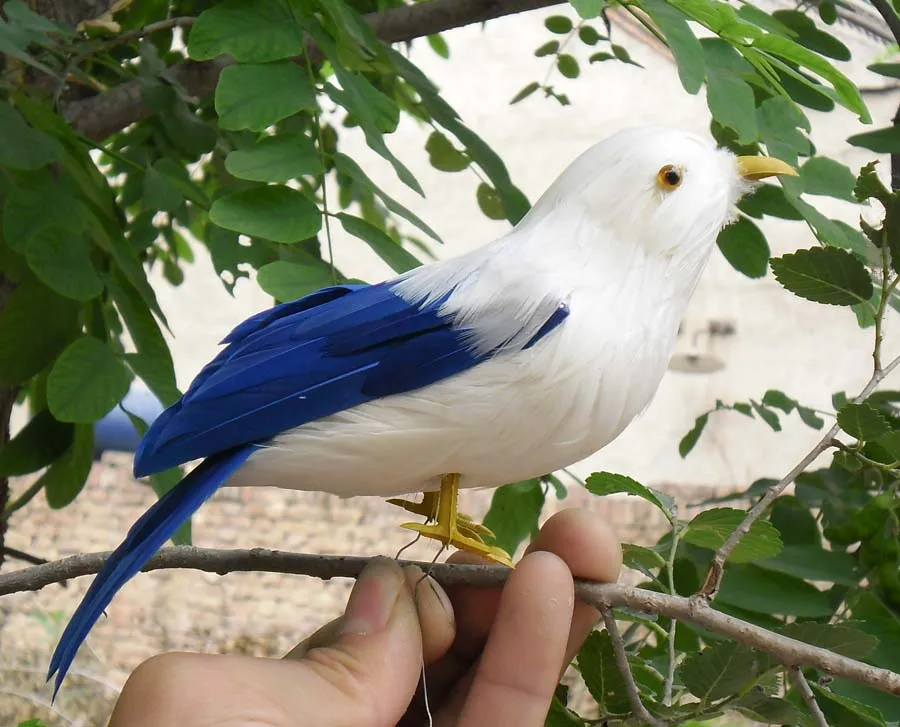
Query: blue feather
{"x": 145, "y": 537}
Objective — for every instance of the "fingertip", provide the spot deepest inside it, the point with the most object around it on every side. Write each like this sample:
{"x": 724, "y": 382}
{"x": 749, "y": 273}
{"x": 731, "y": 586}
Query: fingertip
{"x": 436, "y": 618}
{"x": 585, "y": 541}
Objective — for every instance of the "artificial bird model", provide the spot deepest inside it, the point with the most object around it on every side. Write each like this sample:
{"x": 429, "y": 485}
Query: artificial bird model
{"x": 514, "y": 360}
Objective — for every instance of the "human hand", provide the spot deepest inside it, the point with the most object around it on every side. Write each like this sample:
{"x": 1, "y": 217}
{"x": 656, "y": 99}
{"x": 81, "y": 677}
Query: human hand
{"x": 492, "y": 656}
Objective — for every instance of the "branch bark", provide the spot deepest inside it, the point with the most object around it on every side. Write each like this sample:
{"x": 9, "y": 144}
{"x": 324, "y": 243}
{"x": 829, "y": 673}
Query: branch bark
{"x": 695, "y": 610}
{"x": 100, "y": 116}
{"x": 808, "y": 697}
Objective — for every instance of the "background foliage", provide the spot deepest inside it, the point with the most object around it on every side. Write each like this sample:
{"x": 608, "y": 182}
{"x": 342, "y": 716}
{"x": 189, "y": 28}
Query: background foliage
{"x": 254, "y": 172}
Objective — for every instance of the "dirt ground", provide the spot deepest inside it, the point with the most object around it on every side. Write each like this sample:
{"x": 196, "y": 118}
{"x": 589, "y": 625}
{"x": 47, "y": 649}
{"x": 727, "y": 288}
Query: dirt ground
{"x": 254, "y": 613}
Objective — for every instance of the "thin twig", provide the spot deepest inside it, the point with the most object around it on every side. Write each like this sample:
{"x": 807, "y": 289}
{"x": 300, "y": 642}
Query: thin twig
{"x": 808, "y": 697}
{"x": 634, "y": 695}
{"x": 694, "y": 610}
{"x": 23, "y": 556}
{"x": 670, "y": 637}
{"x": 717, "y": 566}
{"x": 167, "y": 24}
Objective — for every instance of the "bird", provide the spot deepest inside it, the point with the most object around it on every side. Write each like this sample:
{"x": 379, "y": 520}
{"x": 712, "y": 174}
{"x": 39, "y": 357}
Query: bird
{"x": 513, "y": 360}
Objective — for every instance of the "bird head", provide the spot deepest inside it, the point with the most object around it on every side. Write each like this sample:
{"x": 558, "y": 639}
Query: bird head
{"x": 666, "y": 190}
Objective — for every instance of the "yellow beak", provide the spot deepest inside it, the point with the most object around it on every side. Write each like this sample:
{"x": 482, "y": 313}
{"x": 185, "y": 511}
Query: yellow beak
{"x": 758, "y": 167}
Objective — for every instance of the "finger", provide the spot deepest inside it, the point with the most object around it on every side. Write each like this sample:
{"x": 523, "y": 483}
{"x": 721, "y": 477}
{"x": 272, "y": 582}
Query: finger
{"x": 519, "y": 668}
{"x": 365, "y": 677}
{"x": 435, "y": 613}
{"x": 590, "y": 548}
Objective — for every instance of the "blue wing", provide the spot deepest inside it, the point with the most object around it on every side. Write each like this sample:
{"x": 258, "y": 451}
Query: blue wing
{"x": 301, "y": 361}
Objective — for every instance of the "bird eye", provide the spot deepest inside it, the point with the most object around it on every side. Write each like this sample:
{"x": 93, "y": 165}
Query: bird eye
{"x": 669, "y": 177}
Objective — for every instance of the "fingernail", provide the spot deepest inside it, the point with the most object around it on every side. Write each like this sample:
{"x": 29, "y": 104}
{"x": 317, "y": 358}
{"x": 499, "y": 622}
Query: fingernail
{"x": 372, "y": 598}
{"x": 417, "y": 580}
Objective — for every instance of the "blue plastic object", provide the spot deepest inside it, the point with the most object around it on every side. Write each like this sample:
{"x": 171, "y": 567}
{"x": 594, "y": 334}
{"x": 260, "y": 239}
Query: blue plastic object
{"x": 115, "y": 432}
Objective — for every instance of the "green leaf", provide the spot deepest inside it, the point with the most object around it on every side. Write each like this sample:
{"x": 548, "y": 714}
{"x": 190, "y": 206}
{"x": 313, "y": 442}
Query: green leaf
{"x": 439, "y": 45}
{"x": 38, "y": 444}
{"x": 729, "y": 96}
{"x": 86, "y": 382}
{"x": 881, "y": 141}
{"x": 66, "y": 477}
{"x": 61, "y": 260}
{"x": 385, "y": 246}
{"x": 824, "y": 275}
{"x": 558, "y": 24}
{"x": 275, "y": 159}
{"x": 24, "y": 147}
{"x": 347, "y": 166}
{"x": 844, "y": 711}
{"x": 490, "y": 202}
{"x": 688, "y": 52}
{"x": 34, "y": 307}
{"x": 767, "y": 415}
{"x": 548, "y": 48}
{"x": 711, "y": 528}
{"x": 525, "y": 92}
{"x": 251, "y": 32}
{"x": 597, "y": 663}
{"x": 719, "y": 671}
{"x": 751, "y": 588}
{"x": 514, "y": 513}
{"x": 821, "y": 175}
{"x": 277, "y": 213}
{"x": 377, "y": 113}
{"x": 842, "y": 639}
{"x": 745, "y": 248}
{"x": 567, "y": 65}
{"x": 813, "y": 563}
{"x": 791, "y": 51}
{"x": 588, "y": 35}
{"x": 588, "y": 9}
{"x": 807, "y": 34}
{"x": 160, "y": 193}
{"x": 609, "y": 483}
{"x": 256, "y": 96}
{"x": 760, "y": 707}
{"x": 286, "y": 281}
{"x": 862, "y": 421}
{"x": 891, "y": 70}
{"x": 689, "y": 440}
{"x": 152, "y": 361}
{"x": 443, "y": 155}
{"x": 641, "y": 559}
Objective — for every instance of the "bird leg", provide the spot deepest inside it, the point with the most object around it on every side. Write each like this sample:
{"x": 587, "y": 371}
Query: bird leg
{"x": 449, "y": 526}
{"x": 428, "y": 508}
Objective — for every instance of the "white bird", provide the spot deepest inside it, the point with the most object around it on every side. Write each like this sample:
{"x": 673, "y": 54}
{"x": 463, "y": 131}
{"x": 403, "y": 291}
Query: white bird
{"x": 506, "y": 363}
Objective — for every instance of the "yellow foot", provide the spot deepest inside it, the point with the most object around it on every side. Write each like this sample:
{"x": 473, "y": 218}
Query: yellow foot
{"x": 464, "y": 538}
{"x": 428, "y": 507}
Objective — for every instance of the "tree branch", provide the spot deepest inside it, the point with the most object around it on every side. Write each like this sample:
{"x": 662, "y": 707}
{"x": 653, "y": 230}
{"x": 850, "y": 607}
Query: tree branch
{"x": 890, "y": 17}
{"x": 808, "y": 697}
{"x": 695, "y": 610}
{"x": 717, "y": 567}
{"x": 99, "y": 116}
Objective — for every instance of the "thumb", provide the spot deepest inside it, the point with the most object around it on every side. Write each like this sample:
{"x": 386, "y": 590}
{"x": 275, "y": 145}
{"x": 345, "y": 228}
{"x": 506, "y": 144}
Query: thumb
{"x": 368, "y": 672}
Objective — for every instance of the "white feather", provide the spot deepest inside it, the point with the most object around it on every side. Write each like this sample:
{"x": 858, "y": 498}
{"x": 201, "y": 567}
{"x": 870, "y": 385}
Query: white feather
{"x": 623, "y": 254}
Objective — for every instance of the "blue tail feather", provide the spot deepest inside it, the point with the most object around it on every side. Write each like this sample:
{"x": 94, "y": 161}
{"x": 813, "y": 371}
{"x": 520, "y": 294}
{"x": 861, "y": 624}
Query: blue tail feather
{"x": 146, "y": 536}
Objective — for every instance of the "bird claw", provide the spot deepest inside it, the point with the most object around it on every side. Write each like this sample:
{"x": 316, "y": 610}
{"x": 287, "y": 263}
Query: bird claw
{"x": 464, "y": 538}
